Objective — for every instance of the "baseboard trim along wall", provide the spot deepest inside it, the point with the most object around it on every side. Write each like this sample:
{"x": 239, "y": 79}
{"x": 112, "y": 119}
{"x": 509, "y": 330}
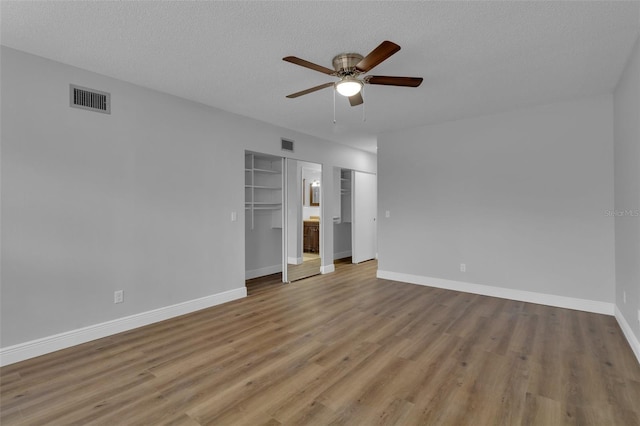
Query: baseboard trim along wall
{"x": 327, "y": 269}
{"x": 34, "y": 348}
{"x": 628, "y": 333}
{"x": 342, "y": 255}
{"x": 503, "y": 293}
{"x": 294, "y": 260}
{"x": 261, "y": 272}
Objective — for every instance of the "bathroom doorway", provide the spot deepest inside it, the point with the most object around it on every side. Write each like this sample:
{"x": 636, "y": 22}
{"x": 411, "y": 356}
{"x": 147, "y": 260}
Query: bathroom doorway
{"x": 304, "y": 219}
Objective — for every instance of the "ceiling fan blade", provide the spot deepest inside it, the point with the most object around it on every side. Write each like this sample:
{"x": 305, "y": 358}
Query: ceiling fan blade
{"x": 377, "y": 55}
{"x": 311, "y": 90}
{"x": 310, "y": 65}
{"x": 393, "y": 81}
{"x": 356, "y": 99}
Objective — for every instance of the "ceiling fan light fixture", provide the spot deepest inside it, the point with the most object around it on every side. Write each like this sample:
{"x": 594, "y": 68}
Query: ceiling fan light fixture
{"x": 349, "y": 86}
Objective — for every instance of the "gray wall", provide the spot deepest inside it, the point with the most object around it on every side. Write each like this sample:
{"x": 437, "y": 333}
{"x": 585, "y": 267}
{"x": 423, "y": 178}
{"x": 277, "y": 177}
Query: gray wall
{"x": 263, "y": 245}
{"x": 627, "y": 190}
{"x": 138, "y": 200}
{"x": 518, "y": 197}
{"x": 342, "y": 240}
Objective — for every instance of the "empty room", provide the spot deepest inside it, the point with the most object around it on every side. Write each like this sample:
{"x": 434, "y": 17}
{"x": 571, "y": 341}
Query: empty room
{"x": 319, "y": 212}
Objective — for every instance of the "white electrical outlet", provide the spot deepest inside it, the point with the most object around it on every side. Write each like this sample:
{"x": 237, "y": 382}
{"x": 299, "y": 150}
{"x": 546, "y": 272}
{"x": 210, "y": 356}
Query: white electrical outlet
{"x": 624, "y": 296}
{"x": 463, "y": 267}
{"x": 234, "y": 216}
{"x": 387, "y": 214}
{"x": 118, "y": 296}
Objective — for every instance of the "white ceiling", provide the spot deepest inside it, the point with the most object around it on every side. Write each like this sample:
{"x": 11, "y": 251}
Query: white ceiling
{"x": 476, "y": 58}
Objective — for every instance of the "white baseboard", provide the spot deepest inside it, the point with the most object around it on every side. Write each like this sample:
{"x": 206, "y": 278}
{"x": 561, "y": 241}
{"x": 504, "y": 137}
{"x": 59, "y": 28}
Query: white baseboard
{"x": 342, "y": 255}
{"x": 503, "y": 293}
{"x": 261, "y": 272}
{"x": 327, "y": 269}
{"x": 294, "y": 260}
{"x": 628, "y": 333}
{"x": 45, "y": 345}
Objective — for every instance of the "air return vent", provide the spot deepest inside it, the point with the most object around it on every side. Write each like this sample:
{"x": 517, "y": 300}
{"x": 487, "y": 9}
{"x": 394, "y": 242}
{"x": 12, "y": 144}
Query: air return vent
{"x": 90, "y": 99}
{"x": 287, "y": 145}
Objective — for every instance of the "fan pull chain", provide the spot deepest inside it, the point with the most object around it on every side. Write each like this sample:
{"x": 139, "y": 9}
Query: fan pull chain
{"x": 364, "y": 115}
{"x": 334, "y": 106}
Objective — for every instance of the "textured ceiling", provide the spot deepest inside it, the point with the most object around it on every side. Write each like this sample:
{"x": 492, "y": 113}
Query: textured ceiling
{"x": 476, "y": 58}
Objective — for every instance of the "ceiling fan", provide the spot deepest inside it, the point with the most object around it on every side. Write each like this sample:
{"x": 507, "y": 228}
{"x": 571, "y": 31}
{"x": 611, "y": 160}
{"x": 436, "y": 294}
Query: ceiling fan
{"x": 348, "y": 67}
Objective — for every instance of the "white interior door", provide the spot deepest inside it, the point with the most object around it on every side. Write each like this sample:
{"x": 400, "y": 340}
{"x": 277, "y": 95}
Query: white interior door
{"x": 364, "y": 196}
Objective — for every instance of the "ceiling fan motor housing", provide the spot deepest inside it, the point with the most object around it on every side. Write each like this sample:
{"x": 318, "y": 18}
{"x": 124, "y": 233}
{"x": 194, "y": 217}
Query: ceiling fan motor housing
{"x": 345, "y": 63}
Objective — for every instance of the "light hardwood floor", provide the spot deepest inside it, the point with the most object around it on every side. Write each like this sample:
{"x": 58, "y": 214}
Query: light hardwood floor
{"x": 341, "y": 348}
{"x": 308, "y": 268}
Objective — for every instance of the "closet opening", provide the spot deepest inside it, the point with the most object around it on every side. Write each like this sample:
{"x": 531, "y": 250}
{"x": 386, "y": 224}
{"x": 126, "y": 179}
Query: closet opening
{"x": 354, "y": 215}
{"x": 263, "y": 194}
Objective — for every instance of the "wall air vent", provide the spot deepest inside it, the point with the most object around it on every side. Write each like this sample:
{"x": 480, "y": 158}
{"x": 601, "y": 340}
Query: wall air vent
{"x": 287, "y": 145}
{"x": 92, "y": 100}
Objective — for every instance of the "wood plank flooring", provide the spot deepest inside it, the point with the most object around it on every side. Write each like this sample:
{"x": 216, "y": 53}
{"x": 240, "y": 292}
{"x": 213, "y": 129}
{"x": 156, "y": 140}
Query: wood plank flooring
{"x": 308, "y": 268}
{"x": 341, "y": 348}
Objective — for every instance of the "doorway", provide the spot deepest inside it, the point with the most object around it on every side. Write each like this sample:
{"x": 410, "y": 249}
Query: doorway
{"x": 354, "y": 215}
{"x": 304, "y": 219}
{"x": 364, "y": 229}
{"x": 263, "y": 199}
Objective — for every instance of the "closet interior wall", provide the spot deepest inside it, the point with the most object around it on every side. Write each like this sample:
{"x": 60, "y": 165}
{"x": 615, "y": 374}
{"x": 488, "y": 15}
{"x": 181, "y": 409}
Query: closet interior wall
{"x": 263, "y": 214}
